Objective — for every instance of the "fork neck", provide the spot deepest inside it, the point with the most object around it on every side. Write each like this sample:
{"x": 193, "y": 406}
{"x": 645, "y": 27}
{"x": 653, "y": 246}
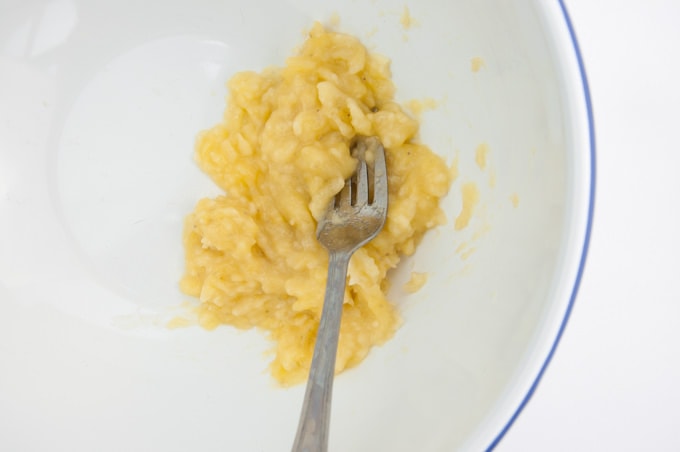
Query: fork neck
{"x": 339, "y": 257}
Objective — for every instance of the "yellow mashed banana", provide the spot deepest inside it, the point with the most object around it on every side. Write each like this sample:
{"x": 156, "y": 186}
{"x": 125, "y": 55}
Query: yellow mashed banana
{"x": 280, "y": 154}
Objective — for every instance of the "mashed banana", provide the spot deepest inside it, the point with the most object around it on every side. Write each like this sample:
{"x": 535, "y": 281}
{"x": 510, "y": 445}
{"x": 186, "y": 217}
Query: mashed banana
{"x": 280, "y": 154}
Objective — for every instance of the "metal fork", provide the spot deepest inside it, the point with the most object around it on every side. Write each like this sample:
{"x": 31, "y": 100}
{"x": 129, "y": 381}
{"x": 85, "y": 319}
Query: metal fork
{"x": 354, "y": 217}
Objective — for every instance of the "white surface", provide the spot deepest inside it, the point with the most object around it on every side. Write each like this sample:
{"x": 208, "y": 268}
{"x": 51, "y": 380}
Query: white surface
{"x": 96, "y": 132}
{"x": 614, "y": 383}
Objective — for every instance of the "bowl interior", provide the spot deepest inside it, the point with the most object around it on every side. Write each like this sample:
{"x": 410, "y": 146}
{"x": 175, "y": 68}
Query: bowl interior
{"x": 100, "y": 103}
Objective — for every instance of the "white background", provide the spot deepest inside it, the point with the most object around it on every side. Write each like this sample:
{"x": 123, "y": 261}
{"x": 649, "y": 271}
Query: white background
{"x": 614, "y": 383}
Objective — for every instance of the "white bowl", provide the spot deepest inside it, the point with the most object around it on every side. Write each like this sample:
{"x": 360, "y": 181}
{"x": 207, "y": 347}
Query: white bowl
{"x": 94, "y": 93}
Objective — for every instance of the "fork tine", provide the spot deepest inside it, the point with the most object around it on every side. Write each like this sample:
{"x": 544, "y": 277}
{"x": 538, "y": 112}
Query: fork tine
{"x": 362, "y": 184}
{"x": 380, "y": 178}
{"x": 344, "y": 198}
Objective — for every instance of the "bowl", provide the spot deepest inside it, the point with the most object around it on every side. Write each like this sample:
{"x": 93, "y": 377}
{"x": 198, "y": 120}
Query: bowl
{"x": 100, "y": 104}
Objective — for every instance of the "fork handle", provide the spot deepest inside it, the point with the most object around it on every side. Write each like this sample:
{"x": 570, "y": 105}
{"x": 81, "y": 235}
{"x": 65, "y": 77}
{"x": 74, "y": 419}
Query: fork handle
{"x": 312, "y": 433}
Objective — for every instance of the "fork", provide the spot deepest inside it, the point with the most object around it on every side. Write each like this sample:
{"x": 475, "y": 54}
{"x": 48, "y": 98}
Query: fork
{"x": 354, "y": 217}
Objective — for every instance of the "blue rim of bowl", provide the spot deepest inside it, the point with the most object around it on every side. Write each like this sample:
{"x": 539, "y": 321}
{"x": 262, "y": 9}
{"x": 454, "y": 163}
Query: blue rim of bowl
{"x": 586, "y": 241}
